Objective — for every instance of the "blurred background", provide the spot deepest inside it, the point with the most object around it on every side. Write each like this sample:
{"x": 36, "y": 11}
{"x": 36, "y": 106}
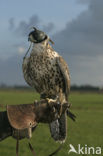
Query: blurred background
{"x": 75, "y": 26}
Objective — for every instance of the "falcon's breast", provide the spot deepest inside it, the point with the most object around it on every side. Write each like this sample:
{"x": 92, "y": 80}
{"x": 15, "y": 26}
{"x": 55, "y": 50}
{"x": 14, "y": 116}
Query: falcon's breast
{"x": 46, "y": 71}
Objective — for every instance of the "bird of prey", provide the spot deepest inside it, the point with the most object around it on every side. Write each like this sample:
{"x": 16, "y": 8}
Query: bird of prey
{"x": 48, "y": 73}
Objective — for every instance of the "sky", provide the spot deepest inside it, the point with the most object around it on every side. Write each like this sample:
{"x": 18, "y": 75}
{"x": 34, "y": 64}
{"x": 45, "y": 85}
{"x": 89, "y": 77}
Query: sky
{"x": 75, "y": 26}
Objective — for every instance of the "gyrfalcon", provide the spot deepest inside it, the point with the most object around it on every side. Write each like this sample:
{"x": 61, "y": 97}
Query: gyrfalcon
{"x": 48, "y": 73}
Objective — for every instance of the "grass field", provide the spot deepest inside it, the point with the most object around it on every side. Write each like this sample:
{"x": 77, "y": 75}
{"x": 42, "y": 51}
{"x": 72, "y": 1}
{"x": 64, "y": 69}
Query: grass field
{"x": 87, "y": 130}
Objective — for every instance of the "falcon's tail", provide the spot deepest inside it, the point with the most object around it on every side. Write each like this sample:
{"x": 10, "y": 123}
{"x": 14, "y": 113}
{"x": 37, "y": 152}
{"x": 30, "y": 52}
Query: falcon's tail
{"x": 58, "y": 128}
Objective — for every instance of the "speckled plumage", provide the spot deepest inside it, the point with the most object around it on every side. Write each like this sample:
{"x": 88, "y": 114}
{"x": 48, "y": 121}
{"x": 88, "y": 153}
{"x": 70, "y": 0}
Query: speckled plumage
{"x": 48, "y": 73}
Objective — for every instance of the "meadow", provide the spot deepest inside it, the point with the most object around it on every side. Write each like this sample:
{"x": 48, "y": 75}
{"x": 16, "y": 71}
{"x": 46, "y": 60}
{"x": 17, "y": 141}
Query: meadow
{"x": 86, "y": 131}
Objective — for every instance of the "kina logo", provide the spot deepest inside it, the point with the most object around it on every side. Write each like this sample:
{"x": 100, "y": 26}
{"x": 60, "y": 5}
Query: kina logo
{"x": 84, "y": 150}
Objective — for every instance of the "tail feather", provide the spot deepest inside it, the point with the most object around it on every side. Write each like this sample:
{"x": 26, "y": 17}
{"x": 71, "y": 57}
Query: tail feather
{"x": 62, "y": 127}
{"x": 54, "y": 129}
{"x": 58, "y": 129}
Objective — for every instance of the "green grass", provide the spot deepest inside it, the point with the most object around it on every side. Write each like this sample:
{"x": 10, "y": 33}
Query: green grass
{"x": 87, "y": 130}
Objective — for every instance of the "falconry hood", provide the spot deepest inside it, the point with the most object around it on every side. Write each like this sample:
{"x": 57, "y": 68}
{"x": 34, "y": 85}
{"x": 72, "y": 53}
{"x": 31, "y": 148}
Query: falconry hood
{"x": 38, "y": 36}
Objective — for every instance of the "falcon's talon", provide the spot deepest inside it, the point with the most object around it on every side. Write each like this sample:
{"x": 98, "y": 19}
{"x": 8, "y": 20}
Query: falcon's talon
{"x": 58, "y": 103}
{"x": 50, "y": 100}
{"x": 58, "y": 116}
{"x": 54, "y": 109}
{"x": 35, "y": 101}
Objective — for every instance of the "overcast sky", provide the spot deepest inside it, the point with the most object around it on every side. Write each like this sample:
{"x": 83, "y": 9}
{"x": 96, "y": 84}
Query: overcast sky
{"x": 76, "y": 27}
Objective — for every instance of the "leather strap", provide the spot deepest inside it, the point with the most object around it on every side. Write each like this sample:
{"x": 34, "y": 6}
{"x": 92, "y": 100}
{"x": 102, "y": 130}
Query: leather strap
{"x": 17, "y": 147}
{"x": 56, "y": 151}
{"x": 17, "y": 144}
{"x": 34, "y": 154}
{"x": 31, "y": 148}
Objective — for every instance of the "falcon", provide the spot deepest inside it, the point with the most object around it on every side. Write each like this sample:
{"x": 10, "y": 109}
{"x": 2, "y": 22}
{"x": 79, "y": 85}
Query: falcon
{"x": 47, "y": 72}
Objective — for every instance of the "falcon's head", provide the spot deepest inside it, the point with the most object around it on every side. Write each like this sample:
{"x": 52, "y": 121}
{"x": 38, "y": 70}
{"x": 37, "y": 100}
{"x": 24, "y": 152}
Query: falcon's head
{"x": 38, "y": 36}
